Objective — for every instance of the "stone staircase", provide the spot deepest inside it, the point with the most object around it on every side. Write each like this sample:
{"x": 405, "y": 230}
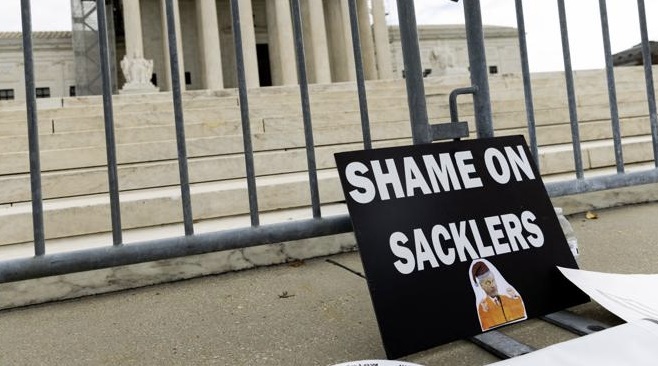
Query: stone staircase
{"x": 74, "y": 180}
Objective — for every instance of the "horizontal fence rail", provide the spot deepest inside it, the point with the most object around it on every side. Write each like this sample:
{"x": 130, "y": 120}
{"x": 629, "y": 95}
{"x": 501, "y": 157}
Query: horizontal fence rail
{"x": 118, "y": 253}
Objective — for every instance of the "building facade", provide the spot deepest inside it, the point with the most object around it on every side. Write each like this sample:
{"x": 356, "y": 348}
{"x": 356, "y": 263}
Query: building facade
{"x": 204, "y": 34}
{"x": 54, "y": 65}
{"x": 444, "y": 52}
{"x": 140, "y": 58}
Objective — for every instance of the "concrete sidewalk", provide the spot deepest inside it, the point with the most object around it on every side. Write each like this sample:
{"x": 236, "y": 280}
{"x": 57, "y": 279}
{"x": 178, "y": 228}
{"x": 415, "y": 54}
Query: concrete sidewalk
{"x": 311, "y": 313}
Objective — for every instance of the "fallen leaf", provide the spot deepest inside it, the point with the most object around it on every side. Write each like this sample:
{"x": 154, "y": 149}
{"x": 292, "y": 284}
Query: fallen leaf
{"x": 297, "y": 263}
{"x": 591, "y": 215}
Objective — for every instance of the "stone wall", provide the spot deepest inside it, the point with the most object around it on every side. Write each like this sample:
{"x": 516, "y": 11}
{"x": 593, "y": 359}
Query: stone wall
{"x": 501, "y": 47}
{"x": 53, "y": 63}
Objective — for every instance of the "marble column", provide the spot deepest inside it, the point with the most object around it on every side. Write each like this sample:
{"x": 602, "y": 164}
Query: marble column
{"x": 340, "y": 51}
{"x": 315, "y": 42}
{"x": 347, "y": 33}
{"x": 382, "y": 45}
{"x": 132, "y": 20}
{"x": 179, "y": 45}
{"x": 136, "y": 70}
{"x": 209, "y": 47}
{"x": 249, "y": 44}
{"x": 367, "y": 45}
{"x": 281, "y": 43}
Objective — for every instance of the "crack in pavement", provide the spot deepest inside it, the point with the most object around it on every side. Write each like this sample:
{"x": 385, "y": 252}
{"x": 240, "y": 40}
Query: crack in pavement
{"x": 345, "y": 268}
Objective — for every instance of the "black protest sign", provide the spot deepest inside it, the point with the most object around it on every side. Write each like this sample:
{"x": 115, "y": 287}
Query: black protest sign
{"x": 456, "y": 238}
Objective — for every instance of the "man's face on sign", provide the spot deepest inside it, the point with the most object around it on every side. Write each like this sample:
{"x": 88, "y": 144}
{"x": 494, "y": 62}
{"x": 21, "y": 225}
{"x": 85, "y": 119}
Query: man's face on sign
{"x": 488, "y": 284}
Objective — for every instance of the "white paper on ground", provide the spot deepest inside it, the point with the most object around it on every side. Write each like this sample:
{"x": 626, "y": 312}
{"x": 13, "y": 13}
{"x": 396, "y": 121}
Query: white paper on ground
{"x": 629, "y": 296}
{"x": 631, "y": 344}
{"x": 632, "y": 298}
{"x": 377, "y": 363}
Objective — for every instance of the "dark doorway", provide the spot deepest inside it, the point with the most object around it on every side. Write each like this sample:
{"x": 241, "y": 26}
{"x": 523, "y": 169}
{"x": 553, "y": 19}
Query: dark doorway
{"x": 263, "y": 54}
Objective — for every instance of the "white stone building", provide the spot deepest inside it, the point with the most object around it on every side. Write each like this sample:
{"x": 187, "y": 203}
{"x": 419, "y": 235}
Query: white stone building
{"x": 207, "y": 55}
{"x": 444, "y": 51}
{"x": 54, "y": 65}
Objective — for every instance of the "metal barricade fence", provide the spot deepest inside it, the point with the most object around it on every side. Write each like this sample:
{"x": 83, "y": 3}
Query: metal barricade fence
{"x": 47, "y": 264}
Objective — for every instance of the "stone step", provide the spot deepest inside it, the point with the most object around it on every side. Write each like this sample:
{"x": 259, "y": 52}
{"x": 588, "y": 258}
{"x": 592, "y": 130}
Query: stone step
{"x": 216, "y": 116}
{"x": 67, "y": 137}
{"x": 539, "y": 79}
{"x": 130, "y": 236}
{"x": 65, "y": 217}
{"x": 139, "y": 148}
{"x": 79, "y": 216}
{"x": 589, "y": 131}
{"x": 502, "y": 119}
{"x": 90, "y": 156}
{"x": 229, "y": 163}
{"x": 57, "y": 107}
{"x": 291, "y": 100}
{"x": 141, "y": 102}
{"x": 595, "y": 154}
{"x": 75, "y": 179}
{"x": 230, "y": 125}
{"x": 134, "y": 176}
{"x": 131, "y": 135}
{"x": 92, "y": 105}
{"x": 164, "y": 111}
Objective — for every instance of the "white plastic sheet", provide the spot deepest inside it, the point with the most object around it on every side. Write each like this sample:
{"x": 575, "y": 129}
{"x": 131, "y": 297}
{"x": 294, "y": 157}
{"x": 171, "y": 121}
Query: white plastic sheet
{"x": 629, "y": 296}
{"x": 377, "y": 363}
{"x": 631, "y": 344}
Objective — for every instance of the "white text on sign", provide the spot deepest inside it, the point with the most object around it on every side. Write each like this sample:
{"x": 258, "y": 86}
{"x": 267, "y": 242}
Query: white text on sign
{"x": 434, "y": 174}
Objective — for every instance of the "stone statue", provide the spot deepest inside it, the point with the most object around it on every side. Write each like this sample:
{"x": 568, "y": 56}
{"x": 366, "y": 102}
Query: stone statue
{"x": 442, "y": 60}
{"x": 137, "y": 72}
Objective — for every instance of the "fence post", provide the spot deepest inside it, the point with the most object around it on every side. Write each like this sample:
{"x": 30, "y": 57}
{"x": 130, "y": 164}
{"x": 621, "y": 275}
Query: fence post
{"x": 478, "y": 66}
{"x": 413, "y": 71}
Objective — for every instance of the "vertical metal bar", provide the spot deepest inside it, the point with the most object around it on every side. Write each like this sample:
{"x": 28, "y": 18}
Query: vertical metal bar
{"x": 648, "y": 76}
{"x": 178, "y": 117}
{"x": 360, "y": 78}
{"x": 32, "y": 131}
{"x": 306, "y": 108}
{"x": 571, "y": 94}
{"x": 479, "y": 71}
{"x": 110, "y": 143}
{"x": 612, "y": 91}
{"x": 244, "y": 114}
{"x": 413, "y": 70}
{"x": 527, "y": 83}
